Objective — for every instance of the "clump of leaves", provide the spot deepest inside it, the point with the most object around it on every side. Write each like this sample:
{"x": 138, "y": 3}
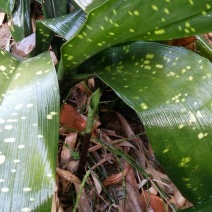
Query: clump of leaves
{"x": 168, "y": 87}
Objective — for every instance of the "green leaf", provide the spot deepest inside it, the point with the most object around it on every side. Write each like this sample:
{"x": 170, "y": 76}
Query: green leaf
{"x": 75, "y": 155}
{"x": 44, "y": 37}
{"x": 203, "y": 207}
{"x": 109, "y": 25}
{"x": 44, "y": 34}
{"x": 19, "y": 18}
{"x": 88, "y": 6}
{"x": 54, "y": 8}
{"x": 170, "y": 88}
{"x": 94, "y": 102}
{"x": 7, "y": 6}
{"x": 67, "y": 26}
{"x": 29, "y": 114}
{"x": 203, "y": 47}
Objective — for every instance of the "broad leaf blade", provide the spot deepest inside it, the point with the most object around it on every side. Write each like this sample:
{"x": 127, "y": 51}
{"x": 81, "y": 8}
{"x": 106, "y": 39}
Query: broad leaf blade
{"x": 203, "y": 47}
{"x": 7, "y": 6}
{"x": 203, "y": 207}
{"x": 29, "y": 106}
{"x": 54, "y": 8}
{"x": 170, "y": 88}
{"x": 136, "y": 20}
{"x": 44, "y": 37}
{"x": 89, "y": 5}
{"x": 67, "y": 26}
{"x": 19, "y": 19}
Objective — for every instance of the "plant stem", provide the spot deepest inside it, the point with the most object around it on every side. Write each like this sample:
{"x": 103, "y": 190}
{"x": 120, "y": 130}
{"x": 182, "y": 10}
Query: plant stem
{"x": 83, "y": 156}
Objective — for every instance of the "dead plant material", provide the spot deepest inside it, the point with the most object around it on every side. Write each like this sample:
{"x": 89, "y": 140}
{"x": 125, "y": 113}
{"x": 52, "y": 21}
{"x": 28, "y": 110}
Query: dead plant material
{"x": 4, "y": 35}
{"x": 132, "y": 199}
{"x": 133, "y": 192}
{"x": 116, "y": 178}
{"x": 68, "y": 176}
{"x": 83, "y": 204}
{"x": 208, "y": 38}
{"x": 24, "y": 47}
{"x": 72, "y": 166}
{"x": 120, "y": 191}
{"x": 187, "y": 42}
{"x": 70, "y": 118}
{"x": 70, "y": 142}
{"x": 151, "y": 200}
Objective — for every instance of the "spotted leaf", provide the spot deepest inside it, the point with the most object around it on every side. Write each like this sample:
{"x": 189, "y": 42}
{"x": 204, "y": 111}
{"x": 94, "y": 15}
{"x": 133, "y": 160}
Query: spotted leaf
{"x": 170, "y": 88}
{"x": 121, "y": 21}
{"x": 66, "y": 26}
{"x": 29, "y": 107}
{"x": 89, "y": 5}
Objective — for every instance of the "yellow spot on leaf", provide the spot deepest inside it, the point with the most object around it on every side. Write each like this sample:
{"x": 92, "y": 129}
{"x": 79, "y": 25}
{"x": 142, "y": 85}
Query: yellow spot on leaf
{"x": 165, "y": 151}
{"x": 191, "y": 2}
{"x": 187, "y": 24}
{"x": 200, "y": 135}
{"x": 159, "y": 31}
{"x": 147, "y": 67}
{"x": 186, "y": 30}
{"x": 166, "y": 11}
{"x": 180, "y": 126}
{"x": 146, "y": 62}
{"x": 154, "y": 7}
{"x": 149, "y": 56}
{"x": 159, "y": 66}
{"x": 136, "y": 13}
{"x": 190, "y": 78}
{"x": 192, "y": 117}
{"x": 2, "y": 68}
{"x": 208, "y": 6}
{"x": 144, "y": 106}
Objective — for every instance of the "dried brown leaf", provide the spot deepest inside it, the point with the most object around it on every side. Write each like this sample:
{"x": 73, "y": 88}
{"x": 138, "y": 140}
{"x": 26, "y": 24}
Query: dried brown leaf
{"x": 179, "y": 199}
{"x": 132, "y": 188}
{"x": 208, "y": 38}
{"x": 116, "y": 178}
{"x": 187, "y": 42}
{"x": 68, "y": 176}
{"x": 72, "y": 166}
{"x": 126, "y": 144}
{"x": 24, "y": 47}
{"x": 96, "y": 183}
{"x": 70, "y": 141}
{"x": 107, "y": 157}
{"x": 83, "y": 205}
{"x": 4, "y": 35}
{"x": 54, "y": 58}
{"x": 70, "y": 118}
{"x": 55, "y": 201}
{"x": 133, "y": 199}
{"x": 156, "y": 175}
{"x": 129, "y": 132}
{"x": 94, "y": 148}
{"x": 156, "y": 203}
{"x": 84, "y": 89}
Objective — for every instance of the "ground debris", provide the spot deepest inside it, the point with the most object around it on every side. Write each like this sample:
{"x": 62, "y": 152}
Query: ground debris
{"x": 113, "y": 183}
